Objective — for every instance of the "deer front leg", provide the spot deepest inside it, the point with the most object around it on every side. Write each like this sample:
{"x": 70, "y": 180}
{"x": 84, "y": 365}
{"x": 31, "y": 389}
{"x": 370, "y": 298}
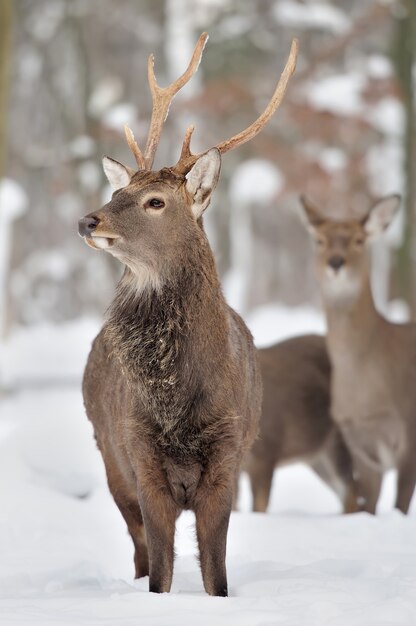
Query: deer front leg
{"x": 159, "y": 516}
{"x": 212, "y": 513}
{"x": 368, "y": 482}
{"x": 406, "y": 482}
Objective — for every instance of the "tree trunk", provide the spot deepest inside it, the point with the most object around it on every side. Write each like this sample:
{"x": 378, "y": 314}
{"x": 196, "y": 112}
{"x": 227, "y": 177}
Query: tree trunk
{"x": 405, "y": 58}
{"x": 5, "y": 36}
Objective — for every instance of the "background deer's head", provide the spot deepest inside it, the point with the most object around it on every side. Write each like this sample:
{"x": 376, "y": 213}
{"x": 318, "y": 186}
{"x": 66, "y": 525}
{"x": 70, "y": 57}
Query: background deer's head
{"x": 153, "y": 216}
{"x": 340, "y": 246}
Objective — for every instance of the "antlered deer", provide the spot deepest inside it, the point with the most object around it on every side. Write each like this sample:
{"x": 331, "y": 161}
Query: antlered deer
{"x": 373, "y": 360}
{"x": 296, "y": 424}
{"x": 171, "y": 384}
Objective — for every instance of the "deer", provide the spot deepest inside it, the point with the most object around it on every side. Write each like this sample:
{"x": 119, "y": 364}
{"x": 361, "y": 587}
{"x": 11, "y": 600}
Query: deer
{"x": 373, "y": 360}
{"x": 296, "y": 423}
{"x": 172, "y": 385}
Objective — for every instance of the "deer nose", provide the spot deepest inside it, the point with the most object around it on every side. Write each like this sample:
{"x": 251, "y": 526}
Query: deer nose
{"x": 336, "y": 262}
{"x": 86, "y": 225}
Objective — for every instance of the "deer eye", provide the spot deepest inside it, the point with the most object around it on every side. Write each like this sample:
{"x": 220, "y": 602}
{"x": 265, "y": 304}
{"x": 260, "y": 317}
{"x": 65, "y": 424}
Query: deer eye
{"x": 155, "y": 203}
{"x": 320, "y": 242}
{"x": 359, "y": 241}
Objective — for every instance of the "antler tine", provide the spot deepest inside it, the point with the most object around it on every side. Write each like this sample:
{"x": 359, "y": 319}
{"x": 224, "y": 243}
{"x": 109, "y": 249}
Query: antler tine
{"x": 138, "y": 155}
{"x": 186, "y": 146}
{"x": 271, "y": 108}
{"x": 187, "y": 160}
{"x": 163, "y": 96}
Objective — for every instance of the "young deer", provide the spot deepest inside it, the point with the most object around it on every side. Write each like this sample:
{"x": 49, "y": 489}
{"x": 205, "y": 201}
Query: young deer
{"x": 296, "y": 424}
{"x": 373, "y": 360}
{"x": 171, "y": 384}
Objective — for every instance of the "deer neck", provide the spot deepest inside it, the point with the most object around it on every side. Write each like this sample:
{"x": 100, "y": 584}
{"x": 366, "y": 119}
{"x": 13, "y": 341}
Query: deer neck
{"x": 158, "y": 335}
{"x": 353, "y": 322}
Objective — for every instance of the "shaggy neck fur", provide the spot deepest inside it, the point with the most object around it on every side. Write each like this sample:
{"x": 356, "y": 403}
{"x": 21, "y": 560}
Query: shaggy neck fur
{"x": 162, "y": 339}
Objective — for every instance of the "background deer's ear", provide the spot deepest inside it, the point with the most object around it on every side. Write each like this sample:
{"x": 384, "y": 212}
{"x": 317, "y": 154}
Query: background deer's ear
{"x": 310, "y": 213}
{"x": 381, "y": 215}
{"x": 202, "y": 180}
{"x": 118, "y": 175}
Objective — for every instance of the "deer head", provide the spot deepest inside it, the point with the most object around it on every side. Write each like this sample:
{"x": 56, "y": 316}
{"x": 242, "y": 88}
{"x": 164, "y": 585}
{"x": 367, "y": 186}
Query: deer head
{"x": 340, "y": 246}
{"x": 153, "y": 215}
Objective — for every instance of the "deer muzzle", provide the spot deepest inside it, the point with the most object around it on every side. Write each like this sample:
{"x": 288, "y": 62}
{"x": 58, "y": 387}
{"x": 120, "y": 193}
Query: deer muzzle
{"x": 95, "y": 235}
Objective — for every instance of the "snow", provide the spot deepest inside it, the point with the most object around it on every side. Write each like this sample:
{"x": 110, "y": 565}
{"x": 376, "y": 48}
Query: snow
{"x": 311, "y": 15}
{"x": 106, "y": 94}
{"x": 332, "y": 159}
{"x": 67, "y": 558}
{"x": 120, "y": 114}
{"x": 82, "y": 147}
{"x": 13, "y": 200}
{"x": 379, "y": 67}
{"x": 13, "y": 203}
{"x": 257, "y": 181}
{"x": 340, "y": 94}
{"x": 387, "y": 116}
{"x": 48, "y": 354}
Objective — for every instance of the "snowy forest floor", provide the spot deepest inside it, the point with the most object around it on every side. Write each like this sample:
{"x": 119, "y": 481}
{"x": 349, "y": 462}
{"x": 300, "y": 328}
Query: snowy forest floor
{"x": 66, "y": 557}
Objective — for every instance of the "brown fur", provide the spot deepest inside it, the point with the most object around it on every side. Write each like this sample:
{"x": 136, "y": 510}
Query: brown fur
{"x": 171, "y": 384}
{"x": 296, "y": 424}
{"x": 373, "y": 360}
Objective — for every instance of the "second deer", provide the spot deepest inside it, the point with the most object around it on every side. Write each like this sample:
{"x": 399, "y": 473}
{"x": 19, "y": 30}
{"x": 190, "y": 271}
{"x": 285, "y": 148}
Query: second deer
{"x": 373, "y": 360}
{"x": 296, "y": 424}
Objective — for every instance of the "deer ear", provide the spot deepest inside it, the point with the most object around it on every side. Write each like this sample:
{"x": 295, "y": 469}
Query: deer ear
{"x": 118, "y": 175}
{"x": 202, "y": 180}
{"x": 381, "y": 215}
{"x": 310, "y": 213}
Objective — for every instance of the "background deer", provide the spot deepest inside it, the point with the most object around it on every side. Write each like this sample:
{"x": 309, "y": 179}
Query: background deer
{"x": 373, "y": 360}
{"x": 296, "y": 424}
{"x": 172, "y": 384}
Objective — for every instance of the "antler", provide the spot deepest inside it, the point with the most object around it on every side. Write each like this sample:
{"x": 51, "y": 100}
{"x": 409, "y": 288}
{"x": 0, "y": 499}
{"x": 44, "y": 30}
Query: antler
{"x": 161, "y": 98}
{"x": 187, "y": 159}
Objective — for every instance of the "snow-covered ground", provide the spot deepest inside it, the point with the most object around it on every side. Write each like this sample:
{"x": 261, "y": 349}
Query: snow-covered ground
{"x": 66, "y": 558}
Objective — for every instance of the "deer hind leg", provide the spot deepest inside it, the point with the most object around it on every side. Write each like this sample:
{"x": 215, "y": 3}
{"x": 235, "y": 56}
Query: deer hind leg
{"x": 334, "y": 466}
{"x": 406, "y": 482}
{"x": 126, "y": 499}
{"x": 368, "y": 483}
{"x": 261, "y": 476}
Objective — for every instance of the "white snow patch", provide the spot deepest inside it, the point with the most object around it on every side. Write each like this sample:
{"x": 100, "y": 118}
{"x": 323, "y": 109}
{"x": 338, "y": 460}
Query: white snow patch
{"x": 379, "y": 67}
{"x": 89, "y": 175}
{"x": 48, "y": 352}
{"x": 387, "y": 116}
{"x": 69, "y": 560}
{"x": 120, "y": 114}
{"x": 82, "y": 147}
{"x": 13, "y": 201}
{"x": 272, "y": 323}
{"x": 311, "y": 15}
{"x": 105, "y": 95}
{"x": 332, "y": 159}
{"x": 340, "y": 95}
{"x": 384, "y": 163}
{"x": 255, "y": 181}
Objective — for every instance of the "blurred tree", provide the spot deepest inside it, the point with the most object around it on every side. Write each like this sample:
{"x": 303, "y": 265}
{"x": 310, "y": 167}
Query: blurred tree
{"x": 5, "y": 52}
{"x": 404, "y": 54}
{"x": 79, "y": 73}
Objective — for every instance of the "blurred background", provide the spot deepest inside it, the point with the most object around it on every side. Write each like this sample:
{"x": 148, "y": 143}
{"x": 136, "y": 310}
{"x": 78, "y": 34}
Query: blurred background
{"x": 73, "y": 72}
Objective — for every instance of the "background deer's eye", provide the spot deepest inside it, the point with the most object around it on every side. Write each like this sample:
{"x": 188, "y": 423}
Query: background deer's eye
{"x": 359, "y": 241}
{"x": 155, "y": 203}
{"x": 320, "y": 242}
